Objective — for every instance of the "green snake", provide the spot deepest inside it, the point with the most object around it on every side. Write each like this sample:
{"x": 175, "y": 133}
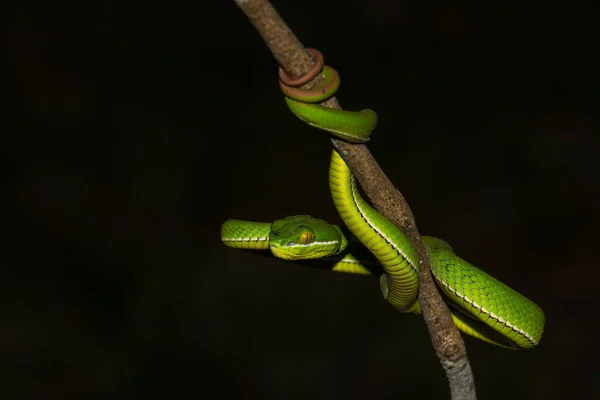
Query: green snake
{"x": 481, "y": 306}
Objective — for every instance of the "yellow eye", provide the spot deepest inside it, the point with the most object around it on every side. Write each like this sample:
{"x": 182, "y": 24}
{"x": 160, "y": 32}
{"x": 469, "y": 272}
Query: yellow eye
{"x": 306, "y": 237}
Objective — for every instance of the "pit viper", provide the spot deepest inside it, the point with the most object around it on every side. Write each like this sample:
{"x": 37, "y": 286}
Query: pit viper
{"x": 481, "y": 306}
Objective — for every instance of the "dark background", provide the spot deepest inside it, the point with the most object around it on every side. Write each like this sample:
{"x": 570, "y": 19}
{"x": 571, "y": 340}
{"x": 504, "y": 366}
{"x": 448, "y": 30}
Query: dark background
{"x": 133, "y": 130}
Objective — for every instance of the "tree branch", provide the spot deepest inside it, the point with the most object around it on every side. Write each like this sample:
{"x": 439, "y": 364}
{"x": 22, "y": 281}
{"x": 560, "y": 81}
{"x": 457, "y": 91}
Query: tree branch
{"x": 446, "y": 340}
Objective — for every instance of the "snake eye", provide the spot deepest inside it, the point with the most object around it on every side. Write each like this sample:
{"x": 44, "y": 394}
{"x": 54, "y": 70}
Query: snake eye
{"x": 306, "y": 237}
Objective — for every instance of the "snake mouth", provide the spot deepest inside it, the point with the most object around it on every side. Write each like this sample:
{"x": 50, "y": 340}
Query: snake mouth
{"x": 287, "y": 252}
{"x": 293, "y": 251}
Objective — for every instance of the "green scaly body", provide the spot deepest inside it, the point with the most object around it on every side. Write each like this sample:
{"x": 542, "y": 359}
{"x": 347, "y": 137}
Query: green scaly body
{"x": 481, "y": 306}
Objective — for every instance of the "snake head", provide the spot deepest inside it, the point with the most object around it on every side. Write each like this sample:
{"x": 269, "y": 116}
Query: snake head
{"x": 302, "y": 237}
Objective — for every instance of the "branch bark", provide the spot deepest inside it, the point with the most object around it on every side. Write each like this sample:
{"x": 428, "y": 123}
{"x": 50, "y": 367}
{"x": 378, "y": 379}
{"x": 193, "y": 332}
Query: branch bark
{"x": 447, "y": 341}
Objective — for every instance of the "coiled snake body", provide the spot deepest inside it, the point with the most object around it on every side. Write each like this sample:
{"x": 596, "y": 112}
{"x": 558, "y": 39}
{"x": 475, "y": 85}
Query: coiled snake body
{"x": 481, "y": 306}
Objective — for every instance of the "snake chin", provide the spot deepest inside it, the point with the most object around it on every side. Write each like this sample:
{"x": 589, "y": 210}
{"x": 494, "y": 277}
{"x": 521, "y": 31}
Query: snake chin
{"x": 293, "y": 252}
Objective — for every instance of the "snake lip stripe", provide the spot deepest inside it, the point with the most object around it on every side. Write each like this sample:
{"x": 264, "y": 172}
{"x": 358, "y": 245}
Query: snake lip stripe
{"x": 313, "y": 243}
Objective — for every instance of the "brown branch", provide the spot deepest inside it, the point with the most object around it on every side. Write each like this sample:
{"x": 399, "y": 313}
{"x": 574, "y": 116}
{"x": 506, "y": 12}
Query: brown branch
{"x": 446, "y": 339}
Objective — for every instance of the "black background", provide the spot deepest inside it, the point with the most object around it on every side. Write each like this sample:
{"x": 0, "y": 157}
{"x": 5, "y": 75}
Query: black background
{"x": 134, "y": 130}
